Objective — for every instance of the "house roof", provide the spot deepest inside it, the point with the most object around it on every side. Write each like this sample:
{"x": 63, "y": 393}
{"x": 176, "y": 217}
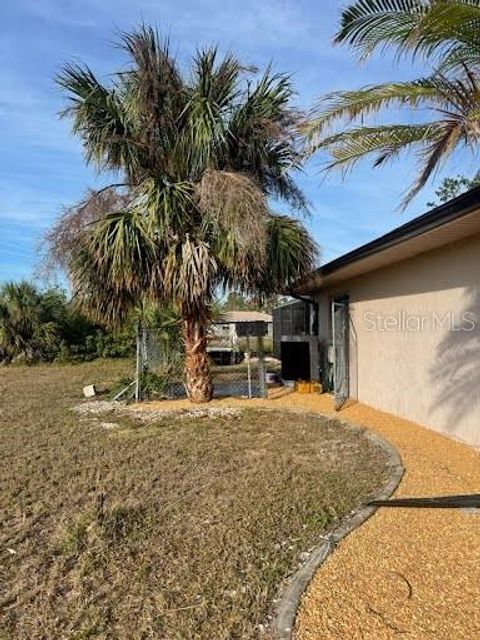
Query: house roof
{"x": 452, "y": 221}
{"x": 233, "y": 317}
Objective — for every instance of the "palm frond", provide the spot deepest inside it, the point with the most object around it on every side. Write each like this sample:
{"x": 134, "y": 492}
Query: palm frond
{"x": 233, "y": 203}
{"x": 169, "y": 207}
{"x": 291, "y": 254}
{"x": 99, "y": 299}
{"x": 348, "y": 106}
{"x": 116, "y": 261}
{"x": 264, "y": 140}
{"x": 448, "y": 135}
{"x": 455, "y": 103}
{"x": 448, "y": 33}
{"x": 154, "y": 72}
{"x": 216, "y": 82}
{"x": 211, "y": 93}
{"x": 99, "y": 119}
{"x": 446, "y": 30}
{"x": 189, "y": 273}
{"x": 367, "y": 24}
{"x": 432, "y": 143}
{"x": 153, "y": 93}
{"x": 384, "y": 142}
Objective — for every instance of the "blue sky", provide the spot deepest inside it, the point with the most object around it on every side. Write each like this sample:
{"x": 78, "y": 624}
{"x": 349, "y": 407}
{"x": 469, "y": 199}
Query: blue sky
{"x": 41, "y": 165}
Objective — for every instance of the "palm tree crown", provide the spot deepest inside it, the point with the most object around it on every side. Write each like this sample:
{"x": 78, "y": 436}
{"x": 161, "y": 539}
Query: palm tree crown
{"x": 445, "y": 33}
{"x": 200, "y": 156}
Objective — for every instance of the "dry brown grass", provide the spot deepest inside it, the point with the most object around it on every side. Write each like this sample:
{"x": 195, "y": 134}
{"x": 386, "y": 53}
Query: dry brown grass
{"x": 175, "y": 530}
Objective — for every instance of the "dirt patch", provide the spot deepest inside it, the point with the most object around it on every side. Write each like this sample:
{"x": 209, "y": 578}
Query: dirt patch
{"x": 148, "y": 414}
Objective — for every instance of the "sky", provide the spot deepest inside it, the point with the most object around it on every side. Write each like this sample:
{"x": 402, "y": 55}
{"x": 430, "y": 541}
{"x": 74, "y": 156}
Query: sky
{"x": 42, "y": 167}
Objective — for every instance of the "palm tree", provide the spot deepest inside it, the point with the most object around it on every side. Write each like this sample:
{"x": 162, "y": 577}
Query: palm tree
{"x": 29, "y": 322}
{"x": 445, "y": 34}
{"x": 199, "y": 157}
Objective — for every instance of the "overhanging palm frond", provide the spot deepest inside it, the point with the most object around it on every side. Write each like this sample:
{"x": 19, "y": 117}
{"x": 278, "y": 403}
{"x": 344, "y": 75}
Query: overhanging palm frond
{"x": 449, "y": 32}
{"x": 447, "y": 137}
{"x": 445, "y": 29}
{"x": 454, "y": 103}
{"x": 351, "y": 105}
{"x": 367, "y": 24}
{"x": 384, "y": 142}
{"x": 432, "y": 144}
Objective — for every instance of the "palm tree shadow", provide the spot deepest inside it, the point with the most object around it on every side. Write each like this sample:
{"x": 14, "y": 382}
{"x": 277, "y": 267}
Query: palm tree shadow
{"x": 456, "y": 371}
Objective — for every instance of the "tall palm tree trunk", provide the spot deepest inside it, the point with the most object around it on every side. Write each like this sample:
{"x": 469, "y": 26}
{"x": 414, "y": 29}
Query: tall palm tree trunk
{"x": 197, "y": 369}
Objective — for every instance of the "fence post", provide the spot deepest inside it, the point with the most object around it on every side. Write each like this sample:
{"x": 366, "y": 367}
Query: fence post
{"x": 249, "y": 366}
{"x": 145, "y": 356}
{"x": 261, "y": 365}
{"x": 137, "y": 364}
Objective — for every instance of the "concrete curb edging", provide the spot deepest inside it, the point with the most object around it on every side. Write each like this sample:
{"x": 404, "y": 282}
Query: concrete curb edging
{"x": 286, "y": 612}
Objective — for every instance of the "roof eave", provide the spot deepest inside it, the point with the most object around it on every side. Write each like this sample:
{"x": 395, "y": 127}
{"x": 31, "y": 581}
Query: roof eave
{"x": 442, "y": 215}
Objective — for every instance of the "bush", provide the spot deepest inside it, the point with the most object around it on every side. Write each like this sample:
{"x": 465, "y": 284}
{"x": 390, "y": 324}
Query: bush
{"x": 153, "y": 385}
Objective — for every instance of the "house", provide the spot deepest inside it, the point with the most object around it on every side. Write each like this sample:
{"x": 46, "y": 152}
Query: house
{"x": 399, "y": 320}
{"x": 233, "y": 324}
{"x": 226, "y": 331}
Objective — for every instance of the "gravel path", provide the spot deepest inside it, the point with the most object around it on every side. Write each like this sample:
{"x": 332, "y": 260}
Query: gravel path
{"x": 412, "y": 574}
{"x": 407, "y": 573}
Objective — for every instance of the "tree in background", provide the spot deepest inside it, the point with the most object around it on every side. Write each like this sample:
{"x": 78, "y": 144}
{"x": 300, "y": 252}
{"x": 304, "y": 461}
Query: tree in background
{"x": 29, "y": 322}
{"x": 41, "y": 326}
{"x": 236, "y": 301}
{"x": 199, "y": 156}
{"x": 444, "y": 33}
{"x": 452, "y": 187}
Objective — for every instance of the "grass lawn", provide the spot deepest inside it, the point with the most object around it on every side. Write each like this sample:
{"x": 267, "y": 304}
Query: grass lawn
{"x": 181, "y": 529}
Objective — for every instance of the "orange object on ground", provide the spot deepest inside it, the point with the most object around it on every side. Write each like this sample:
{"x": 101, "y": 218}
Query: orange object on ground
{"x": 301, "y": 386}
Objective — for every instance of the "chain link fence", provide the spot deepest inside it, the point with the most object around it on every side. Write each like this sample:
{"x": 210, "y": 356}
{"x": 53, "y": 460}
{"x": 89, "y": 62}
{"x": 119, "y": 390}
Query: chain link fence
{"x": 159, "y": 369}
{"x": 245, "y": 380}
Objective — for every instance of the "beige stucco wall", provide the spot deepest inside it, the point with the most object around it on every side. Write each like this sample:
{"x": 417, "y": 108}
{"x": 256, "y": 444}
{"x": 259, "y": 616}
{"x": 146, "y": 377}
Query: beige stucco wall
{"x": 415, "y": 338}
